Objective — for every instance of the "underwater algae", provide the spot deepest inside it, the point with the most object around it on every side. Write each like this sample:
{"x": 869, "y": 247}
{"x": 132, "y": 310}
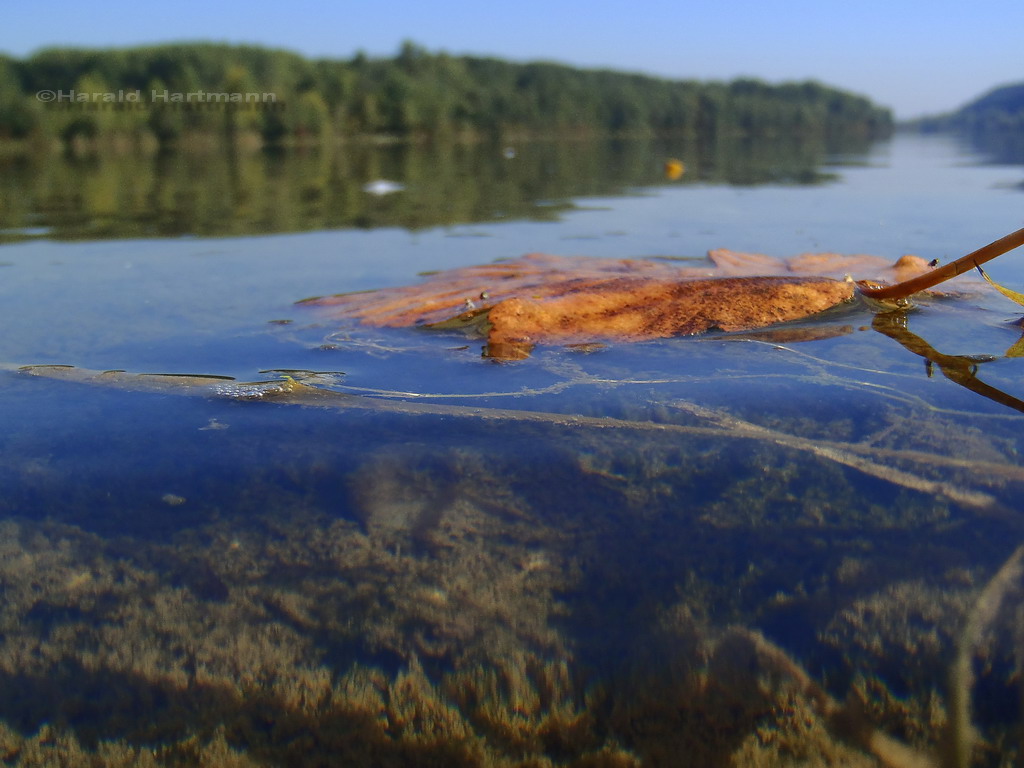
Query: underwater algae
{"x": 705, "y": 584}
{"x": 472, "y": 623}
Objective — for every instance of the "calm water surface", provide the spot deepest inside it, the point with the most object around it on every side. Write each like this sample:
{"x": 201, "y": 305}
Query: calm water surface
{"x": 609, "y": 556}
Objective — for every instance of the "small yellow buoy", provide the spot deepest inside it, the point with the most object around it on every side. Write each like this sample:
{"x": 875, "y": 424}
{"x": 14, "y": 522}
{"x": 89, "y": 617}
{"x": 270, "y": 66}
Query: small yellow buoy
{"x": 674, "y": 169}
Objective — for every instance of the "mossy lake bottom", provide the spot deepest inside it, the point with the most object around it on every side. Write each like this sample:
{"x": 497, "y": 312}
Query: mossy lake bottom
{"x": 752, "y": 549}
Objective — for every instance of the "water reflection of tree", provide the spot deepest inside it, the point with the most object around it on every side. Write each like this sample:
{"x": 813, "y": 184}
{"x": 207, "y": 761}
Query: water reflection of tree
{"x": 1002, "y": 146}
{"x": 206, "y": 191}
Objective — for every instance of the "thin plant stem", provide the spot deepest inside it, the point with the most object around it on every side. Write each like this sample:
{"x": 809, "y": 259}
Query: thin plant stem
{"x": 945, "y": 272}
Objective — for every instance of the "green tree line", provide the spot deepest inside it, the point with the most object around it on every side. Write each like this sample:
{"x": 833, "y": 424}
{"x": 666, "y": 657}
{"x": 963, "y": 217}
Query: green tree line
{"x": 413, "y": 95}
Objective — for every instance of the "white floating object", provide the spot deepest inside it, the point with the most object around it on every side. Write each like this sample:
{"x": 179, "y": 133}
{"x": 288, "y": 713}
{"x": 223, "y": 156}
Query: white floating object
{"x": 381, "y": 187}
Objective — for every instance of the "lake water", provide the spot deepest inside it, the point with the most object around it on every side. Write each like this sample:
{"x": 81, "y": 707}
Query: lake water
{"x": 739, "y": 547}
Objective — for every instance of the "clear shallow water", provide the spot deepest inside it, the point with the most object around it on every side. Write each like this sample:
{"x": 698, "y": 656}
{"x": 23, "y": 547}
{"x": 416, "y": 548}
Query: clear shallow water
{"x": 565, "y": 558}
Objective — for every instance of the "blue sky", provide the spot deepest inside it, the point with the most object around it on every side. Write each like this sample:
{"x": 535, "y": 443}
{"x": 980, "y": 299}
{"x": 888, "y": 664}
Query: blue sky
{"x": 916, "y": 56}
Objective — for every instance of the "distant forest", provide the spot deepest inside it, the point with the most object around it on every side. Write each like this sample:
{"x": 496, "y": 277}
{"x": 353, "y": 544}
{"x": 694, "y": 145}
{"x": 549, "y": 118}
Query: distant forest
{"x": 414, "y": 95}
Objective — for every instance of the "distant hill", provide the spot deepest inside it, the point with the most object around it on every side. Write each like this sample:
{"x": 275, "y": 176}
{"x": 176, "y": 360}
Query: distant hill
{"x": 416, "y": 95}
{"x": 993, "y": 123}
{"x": 1001, "y": 109}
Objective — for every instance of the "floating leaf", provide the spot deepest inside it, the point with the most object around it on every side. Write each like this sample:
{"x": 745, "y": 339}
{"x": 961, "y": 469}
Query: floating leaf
{"x": 542, "y": 299}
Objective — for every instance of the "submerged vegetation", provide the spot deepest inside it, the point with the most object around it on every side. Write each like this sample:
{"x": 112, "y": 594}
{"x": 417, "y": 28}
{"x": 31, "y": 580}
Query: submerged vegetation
{"x": 285, "y": 98}
{"x": 460, "y": 584}
{"x": 403, "y": 601}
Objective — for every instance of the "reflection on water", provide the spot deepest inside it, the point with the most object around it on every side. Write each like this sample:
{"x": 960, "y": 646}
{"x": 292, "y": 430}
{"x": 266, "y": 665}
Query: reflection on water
{"x": 963, "y": 369}
{"x": 236, "y": 193}
{"x": 1006, "y": 146}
